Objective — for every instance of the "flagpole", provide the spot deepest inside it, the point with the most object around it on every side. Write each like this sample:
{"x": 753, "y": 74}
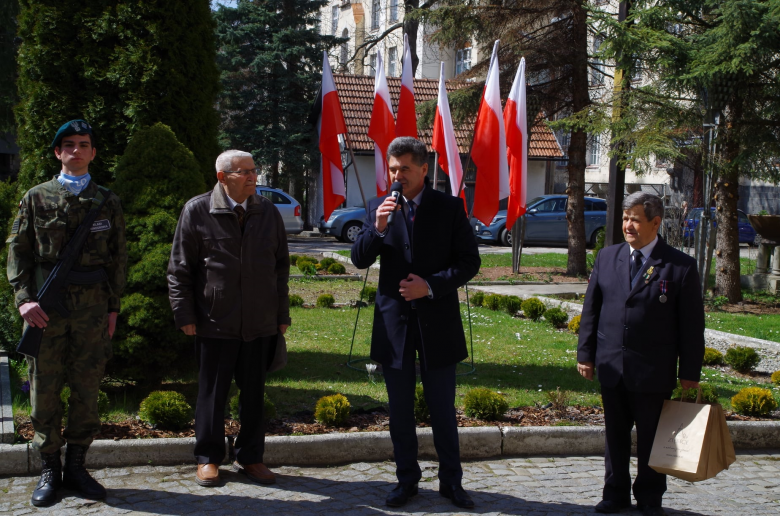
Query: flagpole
{"x": 354, "y": 165}
{"x": 436, "y": 170}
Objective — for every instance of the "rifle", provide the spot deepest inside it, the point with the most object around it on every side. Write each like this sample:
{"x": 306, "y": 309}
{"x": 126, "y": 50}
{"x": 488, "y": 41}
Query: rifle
{"x": 51, "y": 293}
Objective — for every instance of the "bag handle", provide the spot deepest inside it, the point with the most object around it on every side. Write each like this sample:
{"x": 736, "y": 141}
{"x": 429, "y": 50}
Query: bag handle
{"x": 698, "y": 395}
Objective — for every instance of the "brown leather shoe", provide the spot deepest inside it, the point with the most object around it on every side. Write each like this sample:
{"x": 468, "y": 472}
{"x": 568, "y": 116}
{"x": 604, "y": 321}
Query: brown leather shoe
{"x": 257, "y": 472}
{"x": 208, "y": 475}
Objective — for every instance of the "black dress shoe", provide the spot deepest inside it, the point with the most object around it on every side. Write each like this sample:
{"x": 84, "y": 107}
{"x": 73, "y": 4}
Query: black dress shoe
{"x": 401, "y": 494}
{"x": 457, "y": 494}
{"x": 45, "y": 492}
{"x": 611, "y": 506}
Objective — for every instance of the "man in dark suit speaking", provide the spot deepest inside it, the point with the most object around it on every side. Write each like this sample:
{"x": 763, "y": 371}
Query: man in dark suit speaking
{"x": 426, "y": 254}
{"x": 643, "y": 313}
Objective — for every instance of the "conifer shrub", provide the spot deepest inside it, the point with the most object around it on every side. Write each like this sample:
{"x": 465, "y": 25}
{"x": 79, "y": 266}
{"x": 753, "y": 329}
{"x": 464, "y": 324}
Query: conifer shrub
{"x": 533, "y": 308}
{"x": 325, "y": 301}
{"x": 296, "y": 300}
{"x": 776, "y": 378}
{"x": 421, "y": 412}
{"x": 511, "y": 304}
{"x": 556, "y": 317}
{"x": 708, "y": 393}
{"x": 482, "y": 403}
{"x": 754, "y": 401}
{"x": 327, "y": 262}
{"x": 574, "y": 324}
{"x": 368, "y": 294}
{"x": 337, "y": 268}
{"x": 742, "y": 359}
{"x": 477, "y": 298}
{"x": 269, "y": 408}
{"x": 306, "y": 266}
{"x": 166, "y": 409}
{"x": 294, "y": 260}
{"x": 492, "y": 301}
{"x": 332, "y": 410}
{"x": 712, "y": 357}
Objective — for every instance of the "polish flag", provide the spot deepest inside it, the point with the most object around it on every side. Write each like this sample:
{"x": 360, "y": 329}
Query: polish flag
{"x": 329, "y": 125}
{"x": 444, "y": 142}
{"x": 406, "y": 121}
{"x": 515, "y": 125}
{"x": 489, "y": 149}
{"x": 382, "y": 126}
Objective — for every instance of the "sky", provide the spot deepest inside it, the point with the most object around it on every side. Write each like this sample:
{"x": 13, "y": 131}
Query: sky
{"x": 229, "y": 3}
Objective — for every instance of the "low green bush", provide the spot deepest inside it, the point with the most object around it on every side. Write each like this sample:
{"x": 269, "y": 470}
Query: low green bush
{"x": 421, "y": 412}
{"x": 294, "y": 259}
{"x": 368, "y": 294}
{"x": 269, "y": 408}
{"x": 336, "y": 268}
{"x": 65, "y": 397}
{"x": 166, "y": 409}
{"x": 708, "y": 393}
{"x": 332, "y": 410}
{"x": 742, "y": 359}
{"x": 492, "y": 301}
{"x": 574, "y": 324}
{"x": 296, "y": 300}
{"x": 533, "y": 308}
{"x": 511, "y": 304}
{"x": 325, "y": 301}
{"x": 327, "y": 262}
{"x": 482, "y": 403}
{"x": 477, "y": 298}
{"x": 556, "y": 317}
{"x": 754, "y": 401}
{"x": 712, "y": 357}
{"x": 306, "y": 266}
{"x": 776, "y": 378}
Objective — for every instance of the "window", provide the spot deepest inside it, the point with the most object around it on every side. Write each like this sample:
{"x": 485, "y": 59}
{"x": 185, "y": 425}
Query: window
{"x": 564, "y": 139}
{"x": 375, "y": 10}
{"x": 551, "y": 206}
{"x": 372, "y": 64}
{"x": 344, "y": 48}
{"x": 275, "y": 197}
{"x": 636, "y": 73}
{"x": 318, "y": 22}
{"x": 595, "y": 205}
{"x": 594, "y": 151}
{"x": 597, "y": 70}
{"x": 463, "y": 60}
{"x": 742, "y": 218}
{"x": 334, "y": 17}
{"x": 392, "y": 59}
{"x": 393, "y": 10}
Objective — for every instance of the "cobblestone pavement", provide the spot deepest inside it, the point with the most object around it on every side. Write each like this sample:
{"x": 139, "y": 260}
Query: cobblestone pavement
{"x": 539, "y": 486}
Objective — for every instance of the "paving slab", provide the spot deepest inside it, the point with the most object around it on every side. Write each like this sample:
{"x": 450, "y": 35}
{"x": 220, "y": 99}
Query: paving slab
{"x": 360, "y": 489}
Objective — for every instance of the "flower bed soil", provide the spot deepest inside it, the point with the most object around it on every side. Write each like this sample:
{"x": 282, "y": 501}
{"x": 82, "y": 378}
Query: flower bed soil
{"x": 366, "y": 421}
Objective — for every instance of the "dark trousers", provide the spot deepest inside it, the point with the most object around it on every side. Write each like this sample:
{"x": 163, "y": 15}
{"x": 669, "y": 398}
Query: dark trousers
{"x": 219, "y": 361}
{"x": 622, "y": 409}
{"x": 439, "y": 388}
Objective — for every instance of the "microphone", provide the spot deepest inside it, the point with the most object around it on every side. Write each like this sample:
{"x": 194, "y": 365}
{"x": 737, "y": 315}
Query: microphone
{"x": 395, "y": 192}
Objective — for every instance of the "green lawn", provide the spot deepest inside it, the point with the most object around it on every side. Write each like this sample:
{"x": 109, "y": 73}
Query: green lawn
{"x": 527, "y": 260}
{"x": 765, "y": 327}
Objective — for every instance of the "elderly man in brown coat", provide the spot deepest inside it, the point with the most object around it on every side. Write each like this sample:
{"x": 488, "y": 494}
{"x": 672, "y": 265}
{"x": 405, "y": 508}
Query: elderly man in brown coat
{"x": 227, "y": 280}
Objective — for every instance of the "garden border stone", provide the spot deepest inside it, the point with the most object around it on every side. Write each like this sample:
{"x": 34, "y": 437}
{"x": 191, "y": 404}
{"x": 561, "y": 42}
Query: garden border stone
{"x": 6, "y": 402}
{"x": 339, "y": 448}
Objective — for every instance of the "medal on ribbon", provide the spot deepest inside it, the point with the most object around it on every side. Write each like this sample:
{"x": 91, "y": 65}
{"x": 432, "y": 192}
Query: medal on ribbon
{"x": 663, "y": 286}
{"x": 648, "y": 273}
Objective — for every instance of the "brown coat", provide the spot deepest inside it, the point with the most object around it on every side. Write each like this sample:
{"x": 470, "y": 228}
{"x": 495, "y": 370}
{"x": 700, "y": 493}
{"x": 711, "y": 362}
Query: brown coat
{"x": 231, "y": 286}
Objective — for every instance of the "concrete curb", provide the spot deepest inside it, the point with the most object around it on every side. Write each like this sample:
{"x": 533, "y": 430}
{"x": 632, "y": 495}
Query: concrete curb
{"x": 347, "y": 277}
{"x": 6, "y": 403}
{"x": 340, "y": 448}
{"x": 344, "y": 259}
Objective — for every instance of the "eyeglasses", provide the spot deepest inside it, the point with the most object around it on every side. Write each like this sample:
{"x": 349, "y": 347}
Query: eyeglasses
{"x": 245, "y": 173}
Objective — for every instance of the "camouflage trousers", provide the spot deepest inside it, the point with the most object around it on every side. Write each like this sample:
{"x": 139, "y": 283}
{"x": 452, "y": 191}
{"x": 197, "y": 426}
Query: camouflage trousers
{"x": 75, "y": 350}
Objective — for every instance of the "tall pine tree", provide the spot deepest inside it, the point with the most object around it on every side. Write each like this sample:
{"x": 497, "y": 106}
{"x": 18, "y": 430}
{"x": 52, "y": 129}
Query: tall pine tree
{"x": 270, "y": 56}
{"x": 121, "y": 65}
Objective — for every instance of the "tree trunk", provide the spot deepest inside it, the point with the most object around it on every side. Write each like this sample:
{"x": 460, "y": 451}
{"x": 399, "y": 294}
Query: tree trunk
{"x": 410, "y": 28}
{"x": 273, "y": 176}
{"x": 575, "y": 208}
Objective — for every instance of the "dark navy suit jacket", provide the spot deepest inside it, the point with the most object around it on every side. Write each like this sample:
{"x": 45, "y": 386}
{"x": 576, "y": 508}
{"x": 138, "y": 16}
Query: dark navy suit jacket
{"x": 443, "y": 251}
{"x": 629, "y": 333}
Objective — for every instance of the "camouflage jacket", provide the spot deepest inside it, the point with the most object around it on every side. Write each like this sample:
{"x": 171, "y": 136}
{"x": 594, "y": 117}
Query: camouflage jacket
{"x": 48, "y": 217}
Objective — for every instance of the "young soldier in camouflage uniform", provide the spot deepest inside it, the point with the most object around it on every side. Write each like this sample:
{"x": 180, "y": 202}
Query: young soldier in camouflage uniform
{"x": 74, "y": 349}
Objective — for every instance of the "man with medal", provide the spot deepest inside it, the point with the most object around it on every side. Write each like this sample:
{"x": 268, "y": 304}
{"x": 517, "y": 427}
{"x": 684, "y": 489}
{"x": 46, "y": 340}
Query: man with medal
{"x": 643, "y": 314}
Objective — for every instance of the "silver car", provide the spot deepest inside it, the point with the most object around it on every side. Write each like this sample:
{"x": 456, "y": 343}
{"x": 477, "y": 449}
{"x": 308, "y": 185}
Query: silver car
{"x": 344, "y": 224}
{"x": 288, "y": 207}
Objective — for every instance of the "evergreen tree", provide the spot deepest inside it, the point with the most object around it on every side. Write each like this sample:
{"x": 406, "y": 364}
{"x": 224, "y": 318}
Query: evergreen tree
{"x": 154, "y": 179}
{"x": 121, "y": 65}
{"x": 8, "y": 12}
{"x": 270, "y": 55}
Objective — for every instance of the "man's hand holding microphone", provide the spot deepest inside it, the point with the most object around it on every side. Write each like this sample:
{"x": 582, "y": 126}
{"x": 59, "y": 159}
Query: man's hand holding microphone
{"x": 385, "y": 212}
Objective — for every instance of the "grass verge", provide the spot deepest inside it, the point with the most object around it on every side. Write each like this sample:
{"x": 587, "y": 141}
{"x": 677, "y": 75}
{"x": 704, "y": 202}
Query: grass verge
{"x": 766, "y": 326}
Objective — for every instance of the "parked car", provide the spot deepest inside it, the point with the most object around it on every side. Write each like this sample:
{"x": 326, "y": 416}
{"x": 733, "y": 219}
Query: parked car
{"x": 747, "y": 234}
{"x": 545, "y": 222}
{"x": 288, "y": 207}
{"x": 344, "y": 223}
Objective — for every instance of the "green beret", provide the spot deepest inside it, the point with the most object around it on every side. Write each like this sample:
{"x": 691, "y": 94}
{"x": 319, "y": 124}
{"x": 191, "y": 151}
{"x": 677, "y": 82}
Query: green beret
{"x": 69, "y": 128}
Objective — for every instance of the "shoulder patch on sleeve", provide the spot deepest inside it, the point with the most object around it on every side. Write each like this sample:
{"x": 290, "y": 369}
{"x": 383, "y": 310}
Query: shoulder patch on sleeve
{"x": 15, "y": 227}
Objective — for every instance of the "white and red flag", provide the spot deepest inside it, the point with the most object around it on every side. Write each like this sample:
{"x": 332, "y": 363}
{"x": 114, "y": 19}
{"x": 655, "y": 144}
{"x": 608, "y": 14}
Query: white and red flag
{"x": 381, "y": 129}
{"x": 489, "y": 149}
{"x": 516, "y": 127}
{"x": 406, "y": 121}
{"x": 330, "y": 124}
{"x": 444, "y": 142}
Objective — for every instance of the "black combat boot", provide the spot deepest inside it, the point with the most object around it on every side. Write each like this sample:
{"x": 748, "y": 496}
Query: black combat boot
{"x": 45, "y": 492}
{"x": 77, "y": 477}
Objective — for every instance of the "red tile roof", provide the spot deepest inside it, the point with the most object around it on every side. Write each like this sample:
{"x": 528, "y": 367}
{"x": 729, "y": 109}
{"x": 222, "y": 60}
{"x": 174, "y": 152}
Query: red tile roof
{"x": 356, "y": 93}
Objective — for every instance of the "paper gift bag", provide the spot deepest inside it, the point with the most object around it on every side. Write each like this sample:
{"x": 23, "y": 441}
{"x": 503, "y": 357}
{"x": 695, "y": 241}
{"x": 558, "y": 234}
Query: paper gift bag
{"x": 692, "y": 441}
